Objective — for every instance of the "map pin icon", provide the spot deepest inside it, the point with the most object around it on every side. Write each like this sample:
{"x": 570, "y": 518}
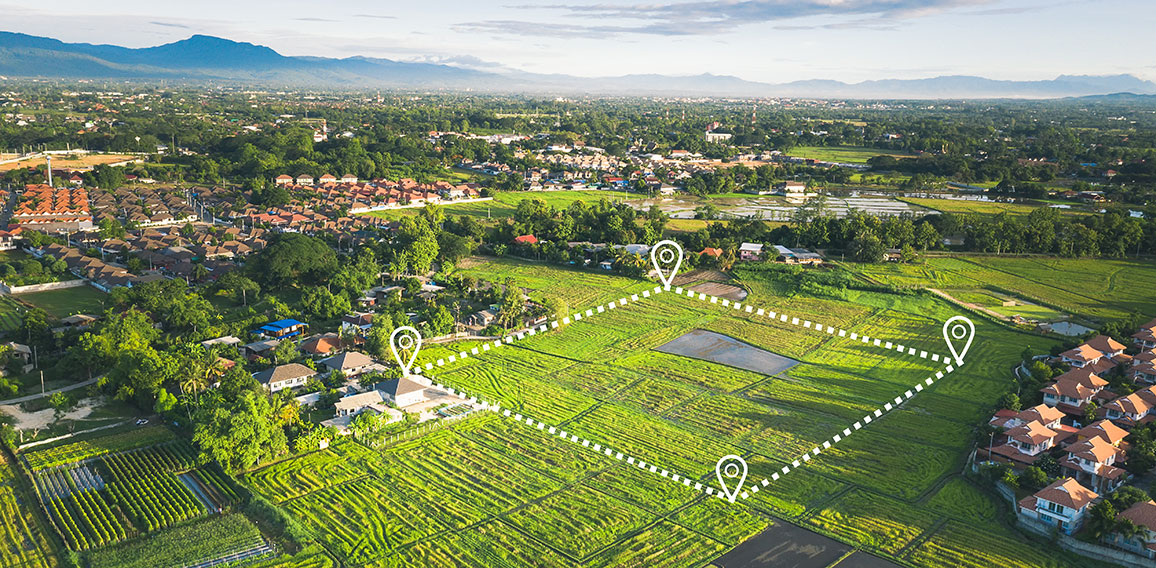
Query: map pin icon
{"x": 666, "y": 257}
{"x": 405, "y": 339}
{"x": 732, "y": 472}
{"x": 958, "y": 333}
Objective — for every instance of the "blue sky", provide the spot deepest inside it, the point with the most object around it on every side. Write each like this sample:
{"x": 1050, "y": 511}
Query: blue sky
{"x": 760, "y": 40}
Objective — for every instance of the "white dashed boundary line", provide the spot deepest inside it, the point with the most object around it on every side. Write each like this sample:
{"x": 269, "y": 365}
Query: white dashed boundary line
{"x": 677, "y": 478}
{"x": 808, "y": 324}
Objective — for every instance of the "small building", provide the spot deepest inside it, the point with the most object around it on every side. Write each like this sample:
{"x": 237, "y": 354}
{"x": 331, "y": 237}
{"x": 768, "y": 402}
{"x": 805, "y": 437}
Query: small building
{"x": 283, "y": 179}
{"x": 482, "y": 318}
{"x": 291, "y": 375}
{"x": 327, "y": 178}
{"x": 358, "y": 323}
{"x": 228, "y": 340}
{"x": 259, "y": 349}
{"x": 711, "y": 252}
{"x": 304, "y": 179}
{"x": 526, "y": 240}
{"x": 1064, "y": 504}
{"x": 353, "y": 405}
{"x": 281, "y": 329}
{"x": 751, "y": 252}
{"x": 797, "y": 256}
{"x": 404, "y": 392}
{"x": 348, "y": 178}
{"x": 352, "y": 363}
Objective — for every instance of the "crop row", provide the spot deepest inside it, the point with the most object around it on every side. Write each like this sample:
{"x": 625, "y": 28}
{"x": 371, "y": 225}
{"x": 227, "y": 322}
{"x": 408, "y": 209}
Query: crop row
{"x": 86, "y": 521}
{"x": 217, "y": 484}
{"x": 22, "y": 543}
{"x": 59, "y": 482}
{"x": 150, "y": 461}
{"x": 155, "y": 502}
{"x": 96, "y": 447}
{"x": 188, "y": 544}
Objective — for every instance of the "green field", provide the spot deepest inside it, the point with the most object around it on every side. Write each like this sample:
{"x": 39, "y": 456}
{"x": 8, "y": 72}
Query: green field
{"x": 1098, "y": 289}
{"x": 505, "y": 203}
{"x": 844, "y": 154}
{"x": 960, "y": 206}
{"x": 491, "y": 488}
{"x": 69, "y": 301}
{"x": 11, "y": 313}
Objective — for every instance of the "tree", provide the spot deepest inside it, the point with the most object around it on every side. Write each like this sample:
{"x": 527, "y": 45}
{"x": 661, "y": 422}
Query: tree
{"x": 238, "y": 285}
{"x": 240, "y": 434}
{"x": 1047, "y": 464}
{"x": 1010, "y": 401}
{"x": 1033, "y": 478}
{"x": 323, "y": 304}
{"x": 1101, "y": 519}
{"x": 867, "y": 248}
{"x": 293, "y": 259}
{"x": 439, "y": 320}
{"x": 556, "y": 307}
{"x": 285, "y": 352}
{"x": 513, "y": 305}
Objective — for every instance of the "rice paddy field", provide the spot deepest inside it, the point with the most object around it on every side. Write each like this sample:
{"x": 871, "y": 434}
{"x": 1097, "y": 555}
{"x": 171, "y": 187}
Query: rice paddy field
{"x": 975, "y": 207}
{"x": 843, "y": 154}
{"x": 494, "y": 491}
{"x": 1096, "y": 289}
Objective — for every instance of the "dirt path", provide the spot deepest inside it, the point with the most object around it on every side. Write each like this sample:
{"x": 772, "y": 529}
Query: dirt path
{"x": 14, "y": 401}
{"x": 975, "y": 307}
{"x": 42, "y": 419}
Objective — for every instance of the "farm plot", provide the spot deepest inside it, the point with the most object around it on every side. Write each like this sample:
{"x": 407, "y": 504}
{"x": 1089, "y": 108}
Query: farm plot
{"x": 967, "y": 547}
{"x": 873, "y": 521}
{"x": 186, "y": 545}
{"x": 301, "y": 476}
{"x": 578, "y": 521}
{"x": 78, "y": 451}
{"x": 23, "y": 542}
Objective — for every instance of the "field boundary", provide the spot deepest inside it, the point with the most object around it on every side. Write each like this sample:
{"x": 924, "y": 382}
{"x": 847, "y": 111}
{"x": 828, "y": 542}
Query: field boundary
{"x": 755, "y": 486}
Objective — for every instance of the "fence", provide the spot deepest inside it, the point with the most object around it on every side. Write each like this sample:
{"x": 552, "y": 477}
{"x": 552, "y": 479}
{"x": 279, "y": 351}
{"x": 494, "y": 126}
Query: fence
{"x": 426, "y": 428}
{"x": 6, "y": 289}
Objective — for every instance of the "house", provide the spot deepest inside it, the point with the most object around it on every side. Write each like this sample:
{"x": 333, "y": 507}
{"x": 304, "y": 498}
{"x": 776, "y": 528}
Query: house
{"x": 304, "y": 179}
{"x": 1145, "y": 337}
{"x": 483, "y": 318}
{"x": 1072, "y": 391}
{"x": 22, "y": 353}
{"x": 348, "y": 178}
{"x": 712, "y": 252}
{"x": 287, "y": 376}
{"x": 1132, "y": 409}
{"x": 356, "y": 404}
{"x": 283, "y": 179}
{"x": 1142, "y": 515}
{"x": 1093, "y": 463}
{"x": 228, "y": 340}
{"x": 325, "y": 344}
{"x": 1106, "y": 430}
{"x": 1042, "y": 413}
{"x": 357, "y": 323}
{"x": 1031, "y": 438}
{"x": 1091, "y": 352}
{"x": 352, "y": 363}
{"x": 327, "y": 178}
{"x": 1064, "y": 503}
{"x": 750, "y": 251}
{"x": 526, "y": 240}
{"x": 281, "y": 329}
{"x": 403, "y": 392}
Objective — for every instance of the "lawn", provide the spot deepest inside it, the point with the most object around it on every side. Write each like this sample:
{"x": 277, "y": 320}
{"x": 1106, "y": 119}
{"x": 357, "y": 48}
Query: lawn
{"x": 843, "y": 154}
{"x": 505, "y": 203}
{"x": 11, "y": 313}
{"x": 68, "y": 301}
{"x": 885, "y": 488}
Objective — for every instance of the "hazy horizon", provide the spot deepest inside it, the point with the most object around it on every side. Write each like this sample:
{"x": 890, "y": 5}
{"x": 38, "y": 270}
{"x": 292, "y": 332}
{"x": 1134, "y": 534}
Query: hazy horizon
{"x": 773, "y": 41}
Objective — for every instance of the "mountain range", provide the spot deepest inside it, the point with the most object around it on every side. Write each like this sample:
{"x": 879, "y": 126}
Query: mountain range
{"x": 203, "y": 59}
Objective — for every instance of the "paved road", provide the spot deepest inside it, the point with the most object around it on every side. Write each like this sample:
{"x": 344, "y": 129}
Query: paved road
{"x": 47, "y": 393}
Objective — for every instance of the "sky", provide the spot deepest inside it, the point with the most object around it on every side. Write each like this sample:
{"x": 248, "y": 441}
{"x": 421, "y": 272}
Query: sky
{"x": 773, "y": 41}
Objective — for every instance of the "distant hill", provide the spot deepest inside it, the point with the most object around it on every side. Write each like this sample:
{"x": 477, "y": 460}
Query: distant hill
{"x": 201, "y": 58}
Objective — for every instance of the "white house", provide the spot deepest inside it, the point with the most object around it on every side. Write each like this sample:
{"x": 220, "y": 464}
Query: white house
{"x": 403, "y": 392}
{"x": 1063, "y": 503}
{"x": 1143, "y": 515}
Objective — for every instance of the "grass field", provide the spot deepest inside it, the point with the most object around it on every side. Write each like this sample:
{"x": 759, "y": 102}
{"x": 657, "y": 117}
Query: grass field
{"x": 69, "y": 301}
{"x": 893, "y": 488}
{"x": 843, "y": 154}
{"x": 1100, "y": 289}
{"x": 505, "y": 203}
{"x": 11, "y": 313}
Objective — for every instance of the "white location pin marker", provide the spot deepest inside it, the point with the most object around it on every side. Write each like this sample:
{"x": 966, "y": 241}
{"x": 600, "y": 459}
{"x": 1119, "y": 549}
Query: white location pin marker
{"x": 958, "y": 333}
{"x": 405, "y": 339}
{"x": 732, "y": 472}
{"x": 666, "y": 257}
